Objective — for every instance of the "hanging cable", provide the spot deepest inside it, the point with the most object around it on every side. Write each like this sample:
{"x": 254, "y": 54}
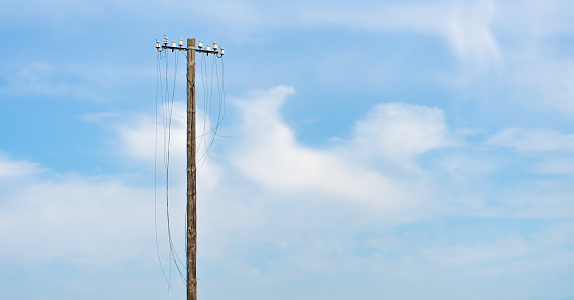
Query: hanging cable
{"x": 212, "y": 119}
{"x": 157, "y": 88}
{"x": 170, "y": 103}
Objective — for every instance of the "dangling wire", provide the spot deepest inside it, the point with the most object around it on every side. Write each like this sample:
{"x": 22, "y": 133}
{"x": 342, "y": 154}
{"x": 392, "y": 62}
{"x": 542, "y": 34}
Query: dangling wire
{"x": 157, "y": 89}
{"x": 169, "y": 114}
{"x": 211, "y": 122}
{"x": 211, "y": 130}
{"x": 222, "y": 104}
{"x": 167, "y": 104}
{"x": 166, "y": 143}
{"x": 205, "y": 92}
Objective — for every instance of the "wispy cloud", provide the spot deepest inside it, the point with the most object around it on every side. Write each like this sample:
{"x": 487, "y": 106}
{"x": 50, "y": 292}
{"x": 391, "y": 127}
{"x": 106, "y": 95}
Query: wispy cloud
{"x": 523, "y": 139}
{"x": 401, "y": 131}
{"x": 67, "y": 81}
{"x": 88, "y": 221}
{"x": 10, "y": 169}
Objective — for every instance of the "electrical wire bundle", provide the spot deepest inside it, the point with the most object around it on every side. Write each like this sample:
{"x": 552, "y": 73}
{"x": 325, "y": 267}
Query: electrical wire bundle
{"x": 214, "y": 108}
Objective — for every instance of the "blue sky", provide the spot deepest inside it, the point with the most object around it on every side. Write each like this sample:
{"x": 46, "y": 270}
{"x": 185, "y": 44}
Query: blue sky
{"x": 372, "y": 150}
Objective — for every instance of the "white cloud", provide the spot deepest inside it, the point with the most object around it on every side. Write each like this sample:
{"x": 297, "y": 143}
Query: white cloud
{"x": 16, "y": 169}
{"x": 88, "y": 221}
{"x": 400, "y": 131}
{"x": 464, "y": 25}
{"x": 95, "y": 221}
{"x": 544, "y": 80}
{"x": 468, "y": 32}
{"x": 141, "y": 140}
{"x": 538, "y": 249}
{"x": 523, "y": 139}
{"x": 271, "y": 156}
{"x": 465, "y": 254}
{"x": 462, "y": 167}
{"x": 138, "y": 138}
{"x": 396, "y": 133}
{"x": 95, "y": 82}
{"x": 49, "y": 9}
{"x": 98, "y": 117}
{"x": 555, "y": 166}
{"x": 45, "y": 79}
{"x": 268, "y": 153}
{"x": 540, "y": 199}
{"x": 532, "y": 20}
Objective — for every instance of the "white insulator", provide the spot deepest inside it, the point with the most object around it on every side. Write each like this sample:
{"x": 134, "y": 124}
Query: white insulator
{"x": 200, "y": 45}
{"x": 214, "y": 46}
{"x": 157, "y": 45}
{"x": 165, "y": 41}
{"x": 173, "y": 44}
{"x": 221, "y": 51}
{"x": 207, "y": 47}
{"x": 180, "y": 42}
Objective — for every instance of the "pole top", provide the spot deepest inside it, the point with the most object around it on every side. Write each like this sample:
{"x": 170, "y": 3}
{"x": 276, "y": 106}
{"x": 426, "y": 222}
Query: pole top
{"x": 191, "y": 43}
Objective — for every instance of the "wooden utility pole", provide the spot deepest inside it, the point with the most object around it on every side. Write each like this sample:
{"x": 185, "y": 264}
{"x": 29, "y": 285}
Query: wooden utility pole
{"x": 191, "y": 226}
{"x": 191, "y": 176}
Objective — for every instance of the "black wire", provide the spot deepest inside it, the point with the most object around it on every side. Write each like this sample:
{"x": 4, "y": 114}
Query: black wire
{"x": 204, "y": 90}
{"x": 211, "y": 128}
{"x": 223, "y": 103}
{"x": 223, "y": 90}
{"x": 173, "y": 251}
{"x": 165, "y": 151}
{"x": 206, "y": 117}
{"x": 208, "y": 103}
{"x": 208, "y": 106}
{"x": 167, "y": 113}
{"x": 221, "y": 111}
{"x": 158, "y": 80}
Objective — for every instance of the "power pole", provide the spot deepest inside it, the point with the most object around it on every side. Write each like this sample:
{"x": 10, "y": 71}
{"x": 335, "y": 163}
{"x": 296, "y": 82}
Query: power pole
{"x": 191, "y": 245}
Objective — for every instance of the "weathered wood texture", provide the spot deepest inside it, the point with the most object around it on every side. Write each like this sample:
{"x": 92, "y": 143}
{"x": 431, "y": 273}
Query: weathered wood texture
{"x": 191, "y": 176}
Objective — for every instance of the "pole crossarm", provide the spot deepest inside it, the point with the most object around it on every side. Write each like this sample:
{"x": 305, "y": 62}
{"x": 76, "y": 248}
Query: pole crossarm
{"x": 218, "y": 52}
{"x": 185, "y": 49}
